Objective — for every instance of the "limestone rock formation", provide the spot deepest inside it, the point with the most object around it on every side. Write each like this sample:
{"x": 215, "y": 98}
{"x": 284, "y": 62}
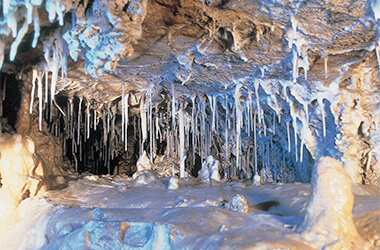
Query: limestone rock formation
{"x": 259, "y": 84}
{"x": 22, "y": 172}
{"x": 328, "y": 223}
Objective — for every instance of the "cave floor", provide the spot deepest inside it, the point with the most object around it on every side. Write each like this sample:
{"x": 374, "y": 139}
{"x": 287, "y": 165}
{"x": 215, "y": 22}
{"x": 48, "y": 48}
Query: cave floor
{"x": 112, "y": 212}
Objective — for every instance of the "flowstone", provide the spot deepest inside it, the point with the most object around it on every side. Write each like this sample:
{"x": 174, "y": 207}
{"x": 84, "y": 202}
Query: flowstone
{"x": 21, "y": 169}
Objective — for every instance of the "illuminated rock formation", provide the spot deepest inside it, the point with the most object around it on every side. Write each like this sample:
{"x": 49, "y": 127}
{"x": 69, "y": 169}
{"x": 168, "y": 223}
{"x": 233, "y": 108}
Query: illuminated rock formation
{"x": 329, "y": 223}
{"x": 22, "y": 172}
{"x": 263, "y": 87}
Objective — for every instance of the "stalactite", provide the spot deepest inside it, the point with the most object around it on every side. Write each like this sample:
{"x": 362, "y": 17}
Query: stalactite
{"x": 320, "y": 101}
{"x": 71, "y": 117}
{"x": 1, "y": 106}
{"x": 238, "y": 112}
{"x": 4, "y": 92}
{"x": 173, "y": 119}
{"x": 157, "y": 126}
{"x": 143, "y": 118}
{"x": 46, "y": 73}
{"x": 40, "y": 101}
{"x": 213, "y": 111}
{"x": 113, "y": 114}
{"x": 203, "y": 128}
{"x": 104, "y": 119}
{"x": 182, "y": 143}
{"x": 168, "y": 144}
{"x": 288, "y": 133}
{"x": 36, "y": 25}
{"x": 122, "y": 110}
{"x": 150, "y": 120}
{"x": 126, "y": 117}
{"x": 20, "y": 35}
{"x": 193, "y": 122}
{"x": 73, "y": 152}
{"x": 95, "y": 120}
{"x": 108, "y": 117}
{"x": 259, "y": 111}
{"x": 255, "y": 140}
{"x": 226, "y": 129}
{"x": 80, "y": 144}
{"x": 35, "y": 72}
{"x": 88, "y": 119}
{"x": 79, "y": 119}
{"x": 295, "y": 67}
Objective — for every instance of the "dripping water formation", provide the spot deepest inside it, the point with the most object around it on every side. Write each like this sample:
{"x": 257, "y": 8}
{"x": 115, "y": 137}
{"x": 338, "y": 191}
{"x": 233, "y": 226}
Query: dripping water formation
{"x": 229, "y": 110}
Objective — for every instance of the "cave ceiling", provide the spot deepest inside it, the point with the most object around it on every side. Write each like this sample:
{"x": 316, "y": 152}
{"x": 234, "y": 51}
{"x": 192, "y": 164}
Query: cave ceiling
{"x": 201, "y": 46}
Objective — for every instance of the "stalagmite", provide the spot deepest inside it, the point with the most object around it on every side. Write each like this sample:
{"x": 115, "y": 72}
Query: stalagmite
{"x": 325, "y": 60}
{"x": 329, "y": 222}
{"x": 182, "y": 143}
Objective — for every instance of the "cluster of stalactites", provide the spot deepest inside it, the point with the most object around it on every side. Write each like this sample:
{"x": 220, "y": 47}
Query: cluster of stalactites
{"x": 299, "y": 46}
{"x": 26, "y": 11}
{"x": 227, "y": 120}
{"x": 45, "y": 75}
